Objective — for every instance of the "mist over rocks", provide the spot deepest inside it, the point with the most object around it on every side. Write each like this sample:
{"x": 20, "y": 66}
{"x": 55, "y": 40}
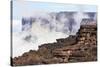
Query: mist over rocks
{"x": 44, "y": 27}
{"x": 81, "y": 47}
{"x": 65, "y": 22}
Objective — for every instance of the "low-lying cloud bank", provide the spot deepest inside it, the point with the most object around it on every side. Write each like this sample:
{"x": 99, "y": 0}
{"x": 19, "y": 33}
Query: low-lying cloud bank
{"x": 45, "y": 28}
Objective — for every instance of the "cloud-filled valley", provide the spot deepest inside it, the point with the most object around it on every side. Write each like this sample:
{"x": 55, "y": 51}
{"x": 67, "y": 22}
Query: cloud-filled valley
{"x": 40, "y": 28}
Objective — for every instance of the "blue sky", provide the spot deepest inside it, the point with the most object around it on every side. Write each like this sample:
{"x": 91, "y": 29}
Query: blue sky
{"x": 26, "y": 7}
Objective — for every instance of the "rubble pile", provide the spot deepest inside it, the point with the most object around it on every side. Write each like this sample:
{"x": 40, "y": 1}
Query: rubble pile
{"x": 81, "y": 47}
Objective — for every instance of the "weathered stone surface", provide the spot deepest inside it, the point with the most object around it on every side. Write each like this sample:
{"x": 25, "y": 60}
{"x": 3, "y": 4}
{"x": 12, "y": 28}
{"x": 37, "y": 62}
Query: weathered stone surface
{"x": 78, "y": 48}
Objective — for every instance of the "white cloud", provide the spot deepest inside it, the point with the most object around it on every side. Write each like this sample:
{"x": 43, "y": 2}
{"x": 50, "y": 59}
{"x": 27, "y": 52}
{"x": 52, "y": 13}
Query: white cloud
{"x": 17, "y": 25}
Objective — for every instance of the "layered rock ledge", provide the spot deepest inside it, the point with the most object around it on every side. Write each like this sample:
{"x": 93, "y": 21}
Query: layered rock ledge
{"x": 81, "y": 47}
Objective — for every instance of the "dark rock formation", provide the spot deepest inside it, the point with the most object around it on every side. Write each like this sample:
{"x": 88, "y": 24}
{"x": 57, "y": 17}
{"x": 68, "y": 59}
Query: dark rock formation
{"x": 76, "y": 48}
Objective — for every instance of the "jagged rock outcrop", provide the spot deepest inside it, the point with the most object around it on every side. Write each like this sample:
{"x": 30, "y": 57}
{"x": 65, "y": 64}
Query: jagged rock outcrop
{"x": 78, "y": 48}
